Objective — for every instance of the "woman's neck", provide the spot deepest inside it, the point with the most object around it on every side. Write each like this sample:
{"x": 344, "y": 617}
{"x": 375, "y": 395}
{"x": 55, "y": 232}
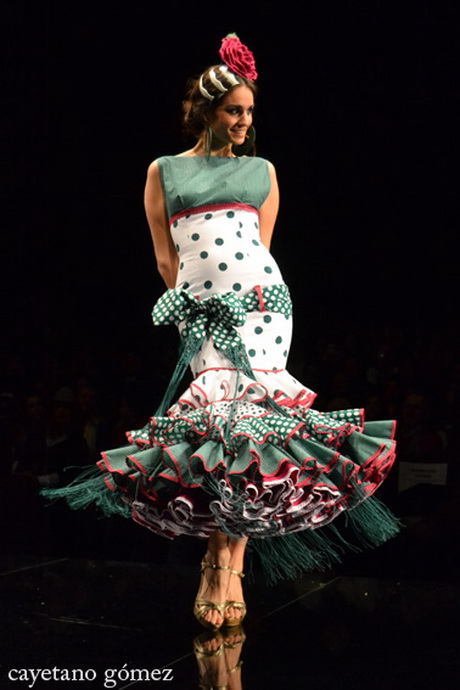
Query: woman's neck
{"x": 219, "y": 150}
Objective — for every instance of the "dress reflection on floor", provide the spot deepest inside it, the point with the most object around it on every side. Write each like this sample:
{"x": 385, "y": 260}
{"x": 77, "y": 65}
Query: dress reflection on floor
{"x": 130, "y": 625}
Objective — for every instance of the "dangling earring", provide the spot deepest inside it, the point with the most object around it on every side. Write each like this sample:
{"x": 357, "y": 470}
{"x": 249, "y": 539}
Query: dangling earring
{"x": 208, "y": 144}
{"x": 245, "y": 148}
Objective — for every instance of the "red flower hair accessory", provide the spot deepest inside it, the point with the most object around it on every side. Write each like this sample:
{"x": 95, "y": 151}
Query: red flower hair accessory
{"x": 238, "y": 57}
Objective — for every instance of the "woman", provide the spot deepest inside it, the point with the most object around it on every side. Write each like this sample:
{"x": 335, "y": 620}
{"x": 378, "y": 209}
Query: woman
{"x": 241, "y": 454}
{"x": 220, "y": 127}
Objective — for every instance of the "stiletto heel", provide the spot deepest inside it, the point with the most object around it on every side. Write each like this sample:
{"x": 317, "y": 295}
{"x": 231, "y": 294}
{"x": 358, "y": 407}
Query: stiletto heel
{"x": 202, "y": 606}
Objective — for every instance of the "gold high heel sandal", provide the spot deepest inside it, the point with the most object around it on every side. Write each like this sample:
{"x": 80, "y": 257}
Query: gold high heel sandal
{"x": 235, "y": 668}
{"x": 204, "y": 654}
{"x": 237, "y": 630}
{"x": 231, "y": 634}
{"x": 202, "y": 606}
{"x": 239, "y": 605}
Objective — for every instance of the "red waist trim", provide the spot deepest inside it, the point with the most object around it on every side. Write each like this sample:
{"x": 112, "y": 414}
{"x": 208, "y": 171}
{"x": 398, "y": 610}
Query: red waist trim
{"x": 269, "y": 371}
{"x": 212, "y": 207}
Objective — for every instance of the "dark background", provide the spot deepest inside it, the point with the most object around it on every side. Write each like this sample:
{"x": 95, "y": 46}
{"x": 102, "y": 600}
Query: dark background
{"x": 356, "y": 111}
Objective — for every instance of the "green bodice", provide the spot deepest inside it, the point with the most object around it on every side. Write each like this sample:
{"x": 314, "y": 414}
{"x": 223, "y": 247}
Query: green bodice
{"x": 193, "y": 181}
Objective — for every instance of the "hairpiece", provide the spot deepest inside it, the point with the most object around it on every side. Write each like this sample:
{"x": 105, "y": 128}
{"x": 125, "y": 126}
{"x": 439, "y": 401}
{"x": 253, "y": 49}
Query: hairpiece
{"x": 218, "y": 84}
{"x": 204, "y": 91}
{"x": 237, "y": 59}
{"x": 230, "y": 76}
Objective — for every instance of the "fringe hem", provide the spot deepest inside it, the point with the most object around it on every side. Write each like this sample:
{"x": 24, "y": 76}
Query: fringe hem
{"x": 286, "y": 557}
{"x": 282, "y": 557}
{"x": 89, "y": 488}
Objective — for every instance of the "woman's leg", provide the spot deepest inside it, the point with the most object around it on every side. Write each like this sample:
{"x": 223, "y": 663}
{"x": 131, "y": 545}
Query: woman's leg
{"x": 218, "y": 586}
{"x": 235, "y": 589}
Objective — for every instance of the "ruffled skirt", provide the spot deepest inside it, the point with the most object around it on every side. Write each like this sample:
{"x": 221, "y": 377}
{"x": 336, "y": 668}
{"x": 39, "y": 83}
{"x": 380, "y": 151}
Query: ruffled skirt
{"x": 242, "y": 451}
{"x": 251, "y": 459}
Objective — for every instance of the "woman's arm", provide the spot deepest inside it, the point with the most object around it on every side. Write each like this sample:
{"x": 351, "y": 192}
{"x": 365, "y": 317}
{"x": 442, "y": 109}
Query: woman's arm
{"x": 269, "y": 209}
{"x": 155, "y": 208}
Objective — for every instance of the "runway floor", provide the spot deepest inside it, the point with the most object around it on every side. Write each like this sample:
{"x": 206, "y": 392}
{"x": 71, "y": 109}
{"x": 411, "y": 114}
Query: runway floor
{"x": 385, "y": 620}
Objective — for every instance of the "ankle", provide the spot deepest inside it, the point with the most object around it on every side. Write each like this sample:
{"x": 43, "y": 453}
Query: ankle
{"x": 219, "y": 558}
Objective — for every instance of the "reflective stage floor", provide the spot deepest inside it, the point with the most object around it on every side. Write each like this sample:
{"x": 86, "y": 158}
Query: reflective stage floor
{"x": 386, "y": 619}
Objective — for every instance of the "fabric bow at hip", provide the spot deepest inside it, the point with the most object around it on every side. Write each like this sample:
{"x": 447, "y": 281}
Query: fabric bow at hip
{"x": 216, "y": 317}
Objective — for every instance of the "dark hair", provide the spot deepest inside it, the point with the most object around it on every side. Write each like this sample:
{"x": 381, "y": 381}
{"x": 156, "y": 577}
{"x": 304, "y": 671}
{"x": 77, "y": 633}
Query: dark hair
{"x": 196, "y": 106}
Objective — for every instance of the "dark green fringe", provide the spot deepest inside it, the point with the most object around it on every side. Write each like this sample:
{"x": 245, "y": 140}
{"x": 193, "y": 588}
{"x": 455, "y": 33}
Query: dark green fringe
{"x": 89, "y": 488}
{"x": 372, "y": 522}
{"x": 187, "y": 350}
{"x": 283, "y": 557}
{"x": 288, "y": 556}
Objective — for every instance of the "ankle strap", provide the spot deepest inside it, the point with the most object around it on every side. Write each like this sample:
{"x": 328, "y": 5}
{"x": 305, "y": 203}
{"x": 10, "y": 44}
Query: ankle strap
{"x": 235, "y": 668}
{"x": 214, "y": 566}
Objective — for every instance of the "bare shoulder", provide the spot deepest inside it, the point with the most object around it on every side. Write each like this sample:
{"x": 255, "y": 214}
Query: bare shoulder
{"x": 153, "y": 169}
{"x": 153, "y": 185}
{"x": 271, "y": 167}
{"x": 154, "y": 176}
{"x": 272, "y": 174}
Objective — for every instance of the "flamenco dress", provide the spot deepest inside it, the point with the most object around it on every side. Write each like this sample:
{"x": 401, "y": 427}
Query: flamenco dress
{"x": 242, "y": 450}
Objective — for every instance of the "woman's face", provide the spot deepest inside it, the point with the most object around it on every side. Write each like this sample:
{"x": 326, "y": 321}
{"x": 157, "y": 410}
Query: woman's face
{"x": 232, "y": 117}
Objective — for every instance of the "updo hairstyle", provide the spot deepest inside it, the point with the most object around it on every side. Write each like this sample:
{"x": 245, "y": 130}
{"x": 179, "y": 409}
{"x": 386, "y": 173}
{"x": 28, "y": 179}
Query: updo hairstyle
{"x": 196, "y": 107}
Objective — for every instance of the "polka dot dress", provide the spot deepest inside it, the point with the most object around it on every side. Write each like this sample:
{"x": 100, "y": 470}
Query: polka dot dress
{"x": 220, "y": 251}
{"x": 242, "y": 455}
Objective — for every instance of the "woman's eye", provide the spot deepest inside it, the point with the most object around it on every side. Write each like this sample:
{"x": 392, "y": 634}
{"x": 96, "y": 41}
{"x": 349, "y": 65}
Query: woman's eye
{"x": 237, "y": 111}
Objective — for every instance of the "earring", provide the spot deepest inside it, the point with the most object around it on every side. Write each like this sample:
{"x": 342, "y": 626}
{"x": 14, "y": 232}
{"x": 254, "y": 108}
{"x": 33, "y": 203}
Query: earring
{"x": 208, "y": 144}
{"x": 248, "y": 145}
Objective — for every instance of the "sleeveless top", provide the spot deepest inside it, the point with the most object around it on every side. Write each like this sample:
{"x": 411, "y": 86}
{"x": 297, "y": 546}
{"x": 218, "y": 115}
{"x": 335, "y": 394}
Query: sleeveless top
{"x": 194, "y": 181}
